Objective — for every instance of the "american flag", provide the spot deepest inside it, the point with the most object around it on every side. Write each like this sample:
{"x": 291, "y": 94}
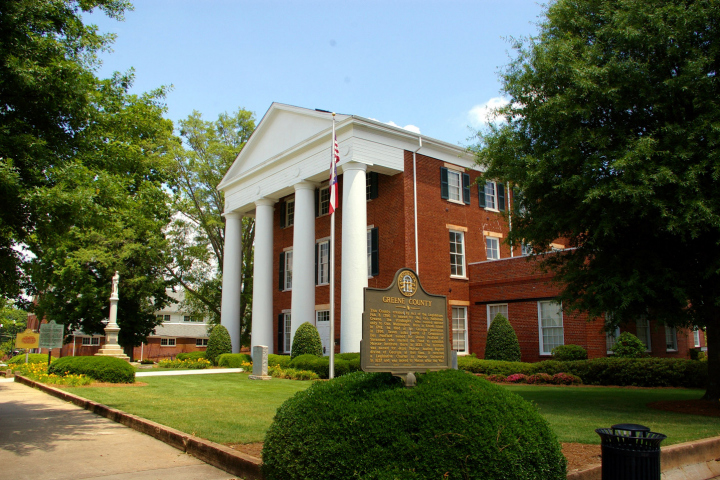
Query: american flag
{"x": 333, "y": 173}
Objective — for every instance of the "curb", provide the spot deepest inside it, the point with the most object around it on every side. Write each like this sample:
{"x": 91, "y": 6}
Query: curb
{"x": 217, "y": 455}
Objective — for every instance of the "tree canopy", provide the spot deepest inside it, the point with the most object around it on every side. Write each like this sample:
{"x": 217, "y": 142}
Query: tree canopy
{"x": 611, "y": 136}
{"x": 197, "y": 234}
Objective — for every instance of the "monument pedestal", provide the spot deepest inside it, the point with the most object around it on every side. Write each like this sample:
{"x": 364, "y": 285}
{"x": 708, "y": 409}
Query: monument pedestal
{"x": 260, "y": 363}
{"x": 111, "y": 348}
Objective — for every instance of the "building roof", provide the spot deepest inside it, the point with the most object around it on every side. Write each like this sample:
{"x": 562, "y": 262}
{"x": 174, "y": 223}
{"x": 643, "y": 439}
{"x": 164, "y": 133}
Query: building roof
{"x": 292, "y": 144}
{"x": 187, "y": 330}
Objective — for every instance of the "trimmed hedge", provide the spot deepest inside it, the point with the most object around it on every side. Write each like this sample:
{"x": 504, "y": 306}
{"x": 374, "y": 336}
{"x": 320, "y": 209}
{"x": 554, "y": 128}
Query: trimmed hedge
{"x": 233, "y": 360}
{"x": 218, "y": 343}
{"x": 306, "y": 341}
{"x": 640, "y": 372}
{"x": 451, "y": 425}
{"x": 32, "y": 358}
{"x": 502, "y": 342}
{"x": 190, "y": 355}
{"x": 321, "y": 365}
{"x": 102, "y": 369}
{"x": 565, "y": 353}
{"x": 282, "y": 361}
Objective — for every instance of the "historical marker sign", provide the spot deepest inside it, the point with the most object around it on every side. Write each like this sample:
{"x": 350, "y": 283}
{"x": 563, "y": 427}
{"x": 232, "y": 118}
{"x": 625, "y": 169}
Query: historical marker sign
{"x": 27, "y": 339}
{"x": 52, "y": 335}
{"x": 404, "y": 328}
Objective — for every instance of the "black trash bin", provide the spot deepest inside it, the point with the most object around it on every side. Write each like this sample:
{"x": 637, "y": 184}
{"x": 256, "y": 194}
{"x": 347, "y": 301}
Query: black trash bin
{"x": 630, "y": 452}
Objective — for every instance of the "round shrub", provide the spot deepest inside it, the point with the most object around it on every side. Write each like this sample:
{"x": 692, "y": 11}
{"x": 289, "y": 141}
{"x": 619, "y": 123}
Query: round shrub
{"x": 502, "y": 343}
{"x": 32, "y": 358}
{"x": 566, "y": 379}
{"x": 282, "y": 361}
{"x": 218, "y": 343}
{"x": 451, "y": 425}
{"x": 568, "y": 353}
{"x": 102, "y": 369}
{"x": 539, "y": 378}
{"x": 628, "y": 346}
{"x": 190, "y": 355}
{"x": 517, "y": 378}
{"x": 306, "y": 341}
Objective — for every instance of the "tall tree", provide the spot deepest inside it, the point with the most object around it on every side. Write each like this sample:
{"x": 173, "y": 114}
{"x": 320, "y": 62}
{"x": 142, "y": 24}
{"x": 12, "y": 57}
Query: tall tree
{"x": 47, "y": 56}
{"x": 106, "y": 210}
{"x": 198, "y": 231}
{"x": 611, "y": 134}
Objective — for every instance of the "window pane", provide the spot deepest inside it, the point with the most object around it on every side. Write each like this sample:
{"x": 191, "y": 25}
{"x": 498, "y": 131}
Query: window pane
{"x": 696, "y": 337}
{"x": 323, "y": 316}
{"x": 288, "y": 269}
{"x": 611, "y": 339}
{"x": 288, "y": 332}
{"x": 324, "y": 263}
{"x": 453, "y": 185}
{"x": 493, "y": 310}
{"x": 643, "y": 331}
{"x": 457, "y": 256}
{"x": 670, "y": 338}
{"x": 551, "y": 326}
{"x": 459, "y": 315}
{"x": 490, "y": 195}
{"x": 324, "y": 201}
{"x": 493, "y": 248}
{"x": 290, "y": 212}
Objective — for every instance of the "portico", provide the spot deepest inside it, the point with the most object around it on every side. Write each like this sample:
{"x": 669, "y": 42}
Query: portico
{"x": 280, "y": 178}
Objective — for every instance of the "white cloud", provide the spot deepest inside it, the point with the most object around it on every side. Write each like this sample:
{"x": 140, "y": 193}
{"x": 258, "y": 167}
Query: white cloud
{"x": 410, "y": 128}
{"x": 485, "y": 113}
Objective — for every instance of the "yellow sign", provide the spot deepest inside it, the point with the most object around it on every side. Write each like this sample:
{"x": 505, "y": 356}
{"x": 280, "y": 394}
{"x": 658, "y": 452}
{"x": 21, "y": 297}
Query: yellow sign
{"x": 27, "y": 339}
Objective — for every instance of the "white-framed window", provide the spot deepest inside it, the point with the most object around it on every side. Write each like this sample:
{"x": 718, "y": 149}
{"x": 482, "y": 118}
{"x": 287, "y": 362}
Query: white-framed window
{"x": 492, "y": 248}
{"x": 201, "y": 342}
{"x": 288, "y": 333}
{"x": 188, "y": 318}
{"x": 322, "y": 315}
{"x": 91, "y": 341}
{"x": 454, "y": 186}
{"x": 167, "y": 342}
{"x": 457, "y": 254}
{"x": 323, "y": 263}
{"x": 643, "y": 332}
{"x": 550, "y": 319}
{"x": 525, "y": 249}
{"x": 670, "y": 339}
{"x": 491, "y": 202}
{"x": 611, "y": 339}
{"x": 459, "y": 329}
{"x": 163, "y": 318}
{"x": 289, "y": 212}
{"x": 288, "y": 269}
{"x": 494, "y": 309}
{"x": 696, "y": 337}
{"x": 324, "y": 201}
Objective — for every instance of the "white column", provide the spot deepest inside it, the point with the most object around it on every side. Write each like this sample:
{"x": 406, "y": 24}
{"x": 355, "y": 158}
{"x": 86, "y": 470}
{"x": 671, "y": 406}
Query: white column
{"x": 354, "y": 256}
{"x": 303, "y": 268}
{"x": 262, "y": 307}
{"x": 232, "y": 268}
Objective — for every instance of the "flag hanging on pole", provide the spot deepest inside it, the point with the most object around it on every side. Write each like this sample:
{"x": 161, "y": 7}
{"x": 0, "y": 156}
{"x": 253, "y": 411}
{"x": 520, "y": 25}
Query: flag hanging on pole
{"x": 335, "y": 158}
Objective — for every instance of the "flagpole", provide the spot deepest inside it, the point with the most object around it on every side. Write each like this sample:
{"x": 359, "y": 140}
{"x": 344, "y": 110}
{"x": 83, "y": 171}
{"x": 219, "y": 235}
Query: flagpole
{"x": 331, "y": 374}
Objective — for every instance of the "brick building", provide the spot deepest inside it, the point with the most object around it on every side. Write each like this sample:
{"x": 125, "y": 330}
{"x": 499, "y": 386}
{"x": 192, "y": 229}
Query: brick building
{"x": 406, "y": 200}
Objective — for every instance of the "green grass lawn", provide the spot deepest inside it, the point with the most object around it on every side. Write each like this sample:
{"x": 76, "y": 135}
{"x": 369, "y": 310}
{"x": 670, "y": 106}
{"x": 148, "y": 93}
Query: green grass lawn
{"x": 229, "y": 408}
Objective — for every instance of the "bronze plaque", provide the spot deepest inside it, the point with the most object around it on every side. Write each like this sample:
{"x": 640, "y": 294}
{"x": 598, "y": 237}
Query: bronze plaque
{"x": 404, "y": 329}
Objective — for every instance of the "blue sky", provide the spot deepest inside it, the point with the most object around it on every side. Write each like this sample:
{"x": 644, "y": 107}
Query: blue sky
{"x": 427, "y": 64}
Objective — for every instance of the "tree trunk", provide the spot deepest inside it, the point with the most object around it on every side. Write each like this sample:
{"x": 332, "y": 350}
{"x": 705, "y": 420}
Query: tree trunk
{"x": 713, "y": 356}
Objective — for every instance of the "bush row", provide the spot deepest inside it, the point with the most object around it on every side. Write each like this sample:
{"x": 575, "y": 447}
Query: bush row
{"x": 190, "y": 355}
{"x": 536, "y": 379}
{"x": 344, "y": 363}
{"x": 292, "y": 373}
{"x": 102, "y": 369}
{"x": 190, "y": 364}
{"x": 233, "y": 360}
{"x": 640, "y": 372}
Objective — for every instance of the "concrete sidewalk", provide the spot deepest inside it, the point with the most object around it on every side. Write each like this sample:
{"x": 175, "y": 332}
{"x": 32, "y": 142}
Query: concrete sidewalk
{"x": 42, "y": 437}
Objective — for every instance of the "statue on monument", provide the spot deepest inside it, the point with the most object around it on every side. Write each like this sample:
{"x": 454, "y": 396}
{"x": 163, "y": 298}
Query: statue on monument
{"x": 115, "y": 281}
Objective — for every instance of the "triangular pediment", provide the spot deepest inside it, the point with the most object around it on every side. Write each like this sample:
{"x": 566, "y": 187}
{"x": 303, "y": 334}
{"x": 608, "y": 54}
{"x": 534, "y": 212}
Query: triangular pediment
{"x": 282, "y": 128}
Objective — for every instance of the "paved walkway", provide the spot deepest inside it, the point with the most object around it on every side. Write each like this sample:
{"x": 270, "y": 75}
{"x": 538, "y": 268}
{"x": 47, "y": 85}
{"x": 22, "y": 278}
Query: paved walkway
{"x": 205, "y": 371}
{"x": 42, "y": 437}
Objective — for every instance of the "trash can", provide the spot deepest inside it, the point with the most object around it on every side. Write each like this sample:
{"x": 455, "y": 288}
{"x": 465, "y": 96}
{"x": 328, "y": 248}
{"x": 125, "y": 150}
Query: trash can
{"x": 630, "y": 452}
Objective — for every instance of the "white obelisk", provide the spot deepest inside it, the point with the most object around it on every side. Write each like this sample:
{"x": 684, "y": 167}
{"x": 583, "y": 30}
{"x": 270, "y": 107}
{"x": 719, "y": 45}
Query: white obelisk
{"x": 111, "y": 348}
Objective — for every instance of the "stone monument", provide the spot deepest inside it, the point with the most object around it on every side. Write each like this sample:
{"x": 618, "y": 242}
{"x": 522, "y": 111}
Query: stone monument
{"x": 111, "y": 347}
{"x": 404, "y": 329}
{"x": 260, "y": 363}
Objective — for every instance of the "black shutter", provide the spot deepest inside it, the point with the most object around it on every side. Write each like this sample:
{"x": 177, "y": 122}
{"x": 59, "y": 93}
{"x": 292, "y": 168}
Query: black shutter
{"x": 317, "y": 202}
{"x": 281, "y": 333}
{"x": 501, "y": 197}
{"x": 317, "y": 257}
{"x": 373, "y": 179}
{"x": 282, "y": 214}
{"x": 466, "y": 188}
{"x": 444, "y": 189}
{"x": 281, "y": 283}
{"x": 515, "y": 198}
{"x": 374, "y": 256}
{"x": 481, "y": 194}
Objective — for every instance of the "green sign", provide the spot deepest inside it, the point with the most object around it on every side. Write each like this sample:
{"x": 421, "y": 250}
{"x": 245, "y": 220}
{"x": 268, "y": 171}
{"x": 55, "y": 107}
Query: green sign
{"x": 51, "y": 335}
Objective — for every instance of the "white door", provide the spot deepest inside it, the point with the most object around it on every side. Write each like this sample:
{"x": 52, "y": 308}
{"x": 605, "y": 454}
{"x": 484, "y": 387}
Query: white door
{"x": 323, "y": 327}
